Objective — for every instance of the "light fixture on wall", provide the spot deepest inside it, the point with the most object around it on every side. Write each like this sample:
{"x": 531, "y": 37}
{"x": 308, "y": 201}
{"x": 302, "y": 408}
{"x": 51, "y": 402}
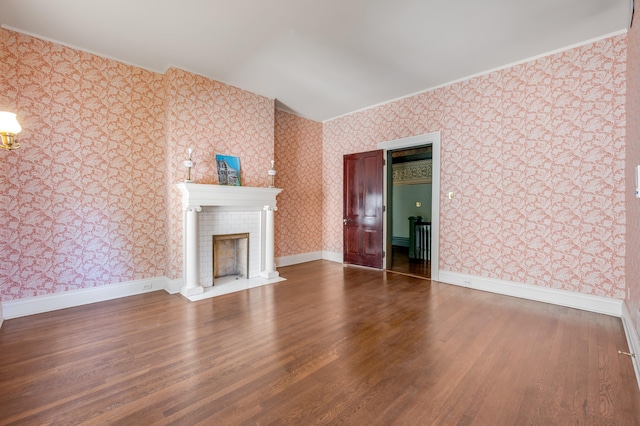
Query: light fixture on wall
{"x": 9, "y": 129}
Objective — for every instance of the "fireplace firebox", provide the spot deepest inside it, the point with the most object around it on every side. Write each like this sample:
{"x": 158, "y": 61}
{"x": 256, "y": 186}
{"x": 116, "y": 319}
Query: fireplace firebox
{"x": 230, "y": 255}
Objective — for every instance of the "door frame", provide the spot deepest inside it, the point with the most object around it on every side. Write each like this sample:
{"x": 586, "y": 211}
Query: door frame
{"x": 432, "y": 139}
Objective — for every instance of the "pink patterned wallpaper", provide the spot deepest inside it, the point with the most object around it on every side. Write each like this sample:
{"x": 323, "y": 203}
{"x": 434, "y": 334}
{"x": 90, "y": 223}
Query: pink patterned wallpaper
{"x": 82, "y": 201}
{"x": 536, "y": 156}
{"x": 633, "y": 159}
{"x": 535, "y": 153}
{"x": 298, "y": 156}
{"x": 212, "y": 118}
{"x": 91, "y": 196}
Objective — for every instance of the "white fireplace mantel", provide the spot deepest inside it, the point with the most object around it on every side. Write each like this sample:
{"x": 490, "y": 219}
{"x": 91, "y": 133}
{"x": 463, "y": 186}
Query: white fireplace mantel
{"x": 195, "y": 195}
{"x": 236, "y": 198}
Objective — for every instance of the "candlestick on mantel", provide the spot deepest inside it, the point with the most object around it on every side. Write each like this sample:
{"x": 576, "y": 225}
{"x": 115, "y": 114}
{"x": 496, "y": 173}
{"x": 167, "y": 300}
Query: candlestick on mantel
{"x": 272, "y": 174}
{"x": 188, "y": 163}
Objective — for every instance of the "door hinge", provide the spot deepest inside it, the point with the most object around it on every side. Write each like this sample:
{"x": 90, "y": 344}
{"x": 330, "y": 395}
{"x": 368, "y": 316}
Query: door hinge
{"x": 384, "y": 253}
{"x": 384, "y": 162}
{"x": 384, "y": 208}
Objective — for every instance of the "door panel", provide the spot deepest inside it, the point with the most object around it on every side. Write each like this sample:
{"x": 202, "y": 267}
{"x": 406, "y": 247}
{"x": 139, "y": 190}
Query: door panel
{"x": 362, "y": 210}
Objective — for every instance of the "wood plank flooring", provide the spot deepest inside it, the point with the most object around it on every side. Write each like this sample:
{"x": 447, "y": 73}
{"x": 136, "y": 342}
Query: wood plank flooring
{"x": 401, "y": 263}
{"x": 331, "y": 345}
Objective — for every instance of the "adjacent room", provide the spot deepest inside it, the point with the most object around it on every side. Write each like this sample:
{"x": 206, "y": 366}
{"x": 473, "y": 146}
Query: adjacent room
{"x": 301, "y": 212}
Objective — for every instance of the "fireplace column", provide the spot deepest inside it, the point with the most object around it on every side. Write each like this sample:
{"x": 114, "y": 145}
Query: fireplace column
{"x": 269, "y": 260}
{"x": 191, "y": 285}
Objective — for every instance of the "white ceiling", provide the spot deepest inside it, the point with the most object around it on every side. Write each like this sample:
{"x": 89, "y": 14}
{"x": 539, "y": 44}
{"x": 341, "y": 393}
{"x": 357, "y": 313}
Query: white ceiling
{"x": 320, "y": 58}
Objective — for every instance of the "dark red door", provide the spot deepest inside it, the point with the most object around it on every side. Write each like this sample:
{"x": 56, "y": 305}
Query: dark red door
{"x": 362, "y": 211}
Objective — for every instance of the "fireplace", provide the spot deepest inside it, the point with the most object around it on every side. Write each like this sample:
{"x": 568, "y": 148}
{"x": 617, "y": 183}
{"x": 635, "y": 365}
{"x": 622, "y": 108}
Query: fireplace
{"x": 213, "y": 221}
{"x": 218, "y": 209}
{"x": 230, "y": 256}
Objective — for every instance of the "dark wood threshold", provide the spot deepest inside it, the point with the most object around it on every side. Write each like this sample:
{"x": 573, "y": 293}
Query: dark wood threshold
{"x": 401, "y": 263}
{"x": 406, "y": 274}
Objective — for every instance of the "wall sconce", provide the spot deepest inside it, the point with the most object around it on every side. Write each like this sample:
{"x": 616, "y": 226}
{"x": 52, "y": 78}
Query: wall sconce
{"x": 9, "y": 129}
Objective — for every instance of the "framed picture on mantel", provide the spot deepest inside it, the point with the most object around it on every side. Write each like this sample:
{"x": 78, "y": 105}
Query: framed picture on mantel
{"x": 228, "y": 170}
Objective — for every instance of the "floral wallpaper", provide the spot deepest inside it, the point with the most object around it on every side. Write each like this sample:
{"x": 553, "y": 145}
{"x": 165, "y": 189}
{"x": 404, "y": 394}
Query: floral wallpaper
{"x": 536, "y": 156}
{"x": 632, "y": 160}
{"x": 82, "y": 201}
{"x": 212, "y": 118}
{"x": 298, "y": 155}
{"x": 91, "y": 197}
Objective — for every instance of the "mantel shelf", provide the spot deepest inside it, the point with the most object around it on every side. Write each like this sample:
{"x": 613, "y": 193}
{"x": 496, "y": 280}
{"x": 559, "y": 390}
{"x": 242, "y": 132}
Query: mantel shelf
{"x": 195, "y": 195}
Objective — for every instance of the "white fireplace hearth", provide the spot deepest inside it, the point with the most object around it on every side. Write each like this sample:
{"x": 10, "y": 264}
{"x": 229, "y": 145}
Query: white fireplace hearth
{"x": 217, "y": 209}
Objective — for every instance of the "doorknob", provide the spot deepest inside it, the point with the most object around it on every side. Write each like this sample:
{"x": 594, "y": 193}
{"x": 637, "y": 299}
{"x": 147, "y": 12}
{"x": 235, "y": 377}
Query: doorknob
{"x": 344, "y": 221}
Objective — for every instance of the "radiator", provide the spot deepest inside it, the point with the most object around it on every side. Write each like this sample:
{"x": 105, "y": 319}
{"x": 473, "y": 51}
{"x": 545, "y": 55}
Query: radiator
{"x": 422, "y": 241}
{"x": 419, "y": 238}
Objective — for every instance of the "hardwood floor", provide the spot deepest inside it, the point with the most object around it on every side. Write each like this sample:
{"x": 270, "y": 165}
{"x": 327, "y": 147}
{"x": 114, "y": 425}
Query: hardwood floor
{"x": 401, "y": 263}
{"x": 330, "y": 345}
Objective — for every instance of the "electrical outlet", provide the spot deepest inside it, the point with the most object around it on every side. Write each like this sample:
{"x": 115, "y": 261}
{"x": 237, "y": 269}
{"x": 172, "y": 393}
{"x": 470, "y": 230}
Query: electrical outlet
{"x": 467, "y": 283}
{"x": 147, "y": 286}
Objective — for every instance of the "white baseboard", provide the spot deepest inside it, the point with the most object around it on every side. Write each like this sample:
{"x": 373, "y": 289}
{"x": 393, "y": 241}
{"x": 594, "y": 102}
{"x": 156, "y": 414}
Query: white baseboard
{"x": 299, "y": 258}
{"x": 632, "y": 340}
{"x": 52, "y": 302}
{"x": 586, "y": 302}
{"x": 173, "y": 286}
{"x": 332, "y": 256}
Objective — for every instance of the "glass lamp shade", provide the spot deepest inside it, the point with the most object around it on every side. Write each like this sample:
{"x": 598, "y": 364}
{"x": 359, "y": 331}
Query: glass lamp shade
{"x": 9, "y": 123}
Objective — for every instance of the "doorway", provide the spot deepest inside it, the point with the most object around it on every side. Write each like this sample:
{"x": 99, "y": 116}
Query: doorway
{"x": 431, "y": 140}
{"x": 409, "y": 208}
